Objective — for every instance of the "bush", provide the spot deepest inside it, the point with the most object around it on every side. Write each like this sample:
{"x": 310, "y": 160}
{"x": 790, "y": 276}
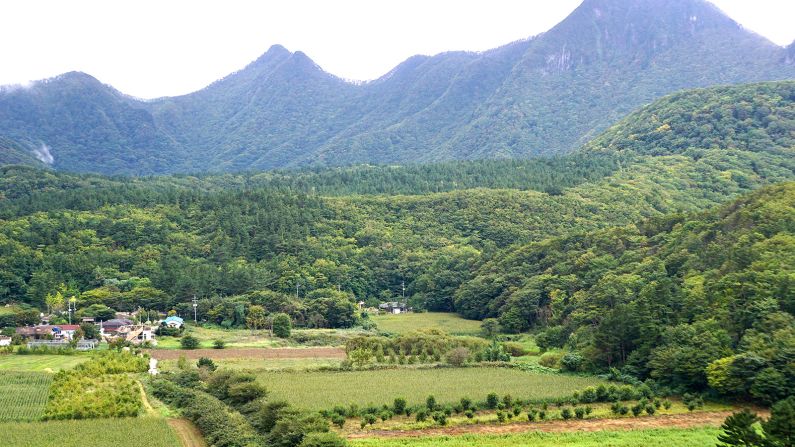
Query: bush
{"x": 323, "y": 440}
{"x": 515, "y": 349}
{"x": 290, "y": 431}
{"x": 579, "y": 412}
{"x": 206, "y": 363}
{"x": 565, "y": 413}
{"x": 571, "y": 361}
{"x": 469, "y": 414}
{"x": 430, "y": 403}
{"x": 219, "y": 344}
{"x": 458, "y": 356}
{"x": 399, "y": 405}
{"x": 282, "y": 325}
{"x": 338, "y": 420}
{"x": 550, "y": 359}
{"x": 189, "y": 342}
{"x": 492, "y": 400}
{"x": 421, "y": 415}
{"x": 636, "y": 410}
{"x": 500, "y": 416}
{"x": 650, "y": 410}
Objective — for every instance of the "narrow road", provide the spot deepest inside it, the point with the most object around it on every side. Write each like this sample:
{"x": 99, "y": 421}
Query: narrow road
{"x": 189, "y": 435}
{"x": 687, "y": 420}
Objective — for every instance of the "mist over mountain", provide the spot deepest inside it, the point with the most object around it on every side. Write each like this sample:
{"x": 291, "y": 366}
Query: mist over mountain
{"x": 541, "y": 96}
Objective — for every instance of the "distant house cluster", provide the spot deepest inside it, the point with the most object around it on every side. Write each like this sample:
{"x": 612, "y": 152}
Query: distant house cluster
{"x": 64, "y": 335}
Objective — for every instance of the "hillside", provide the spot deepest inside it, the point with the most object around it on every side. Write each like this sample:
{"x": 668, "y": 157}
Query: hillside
{"x": 191, "y": 235}
{"x": 544, "y": 95}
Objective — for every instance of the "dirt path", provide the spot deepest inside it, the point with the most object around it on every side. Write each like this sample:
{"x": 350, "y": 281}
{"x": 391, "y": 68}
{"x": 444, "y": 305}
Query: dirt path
{"x": 688, "y": 420}
{"x": 249, "y": 353}
{"x": 147, "y": 406}
{"x": 189, "y": 435}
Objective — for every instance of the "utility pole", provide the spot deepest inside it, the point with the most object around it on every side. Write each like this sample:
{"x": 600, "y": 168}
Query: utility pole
{"x": 72, "y": 306}
{"x": 195, "y": 305}
{"x": 403, "y": 286}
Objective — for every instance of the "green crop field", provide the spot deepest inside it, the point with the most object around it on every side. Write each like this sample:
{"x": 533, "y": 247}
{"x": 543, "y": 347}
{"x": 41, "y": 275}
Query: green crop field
{"x": 409, "y": 322}
{"x": 23, "y": 395}
{"x": 48, "y": 363}
{"x": 324, "y": 389}
{"x": 694, "y": 437}
{"x": 131, "y": 432}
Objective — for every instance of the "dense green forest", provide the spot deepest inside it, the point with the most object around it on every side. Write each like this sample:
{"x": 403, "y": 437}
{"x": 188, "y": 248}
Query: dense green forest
{"x": 544, "y": 95}
{"x": 608, "y": 251}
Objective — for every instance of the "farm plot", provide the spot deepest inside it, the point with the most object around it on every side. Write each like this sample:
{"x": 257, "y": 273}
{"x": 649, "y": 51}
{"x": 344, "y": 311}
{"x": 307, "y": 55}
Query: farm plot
{"x": 317, "y": 390}
{"x": 23, "y": 395}
{"x": 451, "y": 323}
{"x": 48, "y": 363}
{"x": 130, "y": 432}
{"x": 672, "y": 437}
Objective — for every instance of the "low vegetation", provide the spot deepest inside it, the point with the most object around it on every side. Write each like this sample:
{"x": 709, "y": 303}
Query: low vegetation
{"x": 129, "y": 432}
{"x": 23, "y": 395}
{"x": 324, "y": 389}
{"x": 450, "y": 323}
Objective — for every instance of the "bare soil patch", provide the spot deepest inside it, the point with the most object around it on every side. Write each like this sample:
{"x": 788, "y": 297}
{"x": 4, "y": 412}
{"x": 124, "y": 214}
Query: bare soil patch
{"x": 689, "y": 420}
{"x": 189, "y": 435}
{"x": 249, "y": 353}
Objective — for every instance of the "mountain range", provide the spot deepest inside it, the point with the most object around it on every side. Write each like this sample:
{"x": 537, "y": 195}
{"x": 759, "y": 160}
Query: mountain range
{"x": 545, "y": 95}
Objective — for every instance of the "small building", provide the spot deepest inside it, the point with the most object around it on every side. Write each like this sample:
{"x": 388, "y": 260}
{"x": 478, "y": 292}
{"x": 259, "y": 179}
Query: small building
{"x": 52, "y": 344}
{"x": 87, "y": 320}
{"x": 111, "y": 327}
{"x": 393, "y": 307}
{"x": 58, "y": 332}
{"x": 174, "y": 322}
{"x": 5, "y": 340}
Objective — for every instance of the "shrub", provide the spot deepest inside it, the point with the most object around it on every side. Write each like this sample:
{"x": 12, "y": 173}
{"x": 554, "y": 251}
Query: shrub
{"x": 219, "y": 344}
{"x": 550, "y": 360}
{"x": 282, "y": 325}
{"x": 515, "y": 349}
{"x": 189, "y": 342}
{"x": 289, "y": 431}
{"x": 328, "y": 439}
{"x": 458, "y": 356}
{"x": 636, "y": 410}
{"x": 421, "y": 415}
{"x": 565, "y": 413}
{"x": 399, "y": 405}
{"x": 500, "y": 416}
{"x": 430, "y": 403}
{"x": 338, "y": 420}
{"x": 492, "y": 400}
{"x": 469, "y": 414}
{"x": 440, "y": 417}
{"x": 571, "y": 361}
{"x": 542, "y": 414}
{"x": 588, "y": 395}
{"x": 206, "y": 363}
{"x": 667, "y": 404}
{"x": 466, "y": 403}
{"x": 579, "y": 412}
{"x": 650, "y": 410}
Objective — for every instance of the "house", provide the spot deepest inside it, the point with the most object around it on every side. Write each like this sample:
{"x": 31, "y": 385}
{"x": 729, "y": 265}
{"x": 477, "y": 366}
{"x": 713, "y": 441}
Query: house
{"x": 111, "y": 327}
{"x": 5, "y": 341}
{"x": 393, "y": 307}
{"x": 60, "y": 332}
{"x": 174, "y": 322}
{"x": 87, "y": 320}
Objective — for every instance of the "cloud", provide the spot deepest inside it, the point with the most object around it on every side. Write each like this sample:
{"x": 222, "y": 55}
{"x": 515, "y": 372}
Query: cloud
{"x": 44, "y": 155}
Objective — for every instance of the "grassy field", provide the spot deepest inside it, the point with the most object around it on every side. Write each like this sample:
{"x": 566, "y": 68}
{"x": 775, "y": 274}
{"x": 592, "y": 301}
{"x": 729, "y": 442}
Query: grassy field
{"x": 47, "y": 363}
{"x": 694, "y": 437}
{"x": 245, "y": 338}
{"x": 409, "y": 322}
{"x": 23, "y": 395}
{"x": 261, "y": 364}
{"x": 319, "y": 390}
{"x": 133, "y": 432}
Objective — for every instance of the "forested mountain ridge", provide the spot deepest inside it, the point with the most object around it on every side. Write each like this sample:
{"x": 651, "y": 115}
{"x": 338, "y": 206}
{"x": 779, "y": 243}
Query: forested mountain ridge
{"x": 367, "y": 229}
{"x": 544, "y": 95}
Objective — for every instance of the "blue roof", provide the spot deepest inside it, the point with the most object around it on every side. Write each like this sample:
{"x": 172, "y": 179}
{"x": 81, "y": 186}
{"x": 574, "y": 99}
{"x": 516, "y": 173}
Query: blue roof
{"x": 174, "y": 319}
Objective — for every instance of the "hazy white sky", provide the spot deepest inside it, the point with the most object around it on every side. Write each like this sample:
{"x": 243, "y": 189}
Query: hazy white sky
{"x": 151, "y": 48}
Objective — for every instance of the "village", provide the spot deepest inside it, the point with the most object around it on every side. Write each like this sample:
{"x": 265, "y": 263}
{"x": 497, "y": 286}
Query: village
{"x": 90, "y": 332}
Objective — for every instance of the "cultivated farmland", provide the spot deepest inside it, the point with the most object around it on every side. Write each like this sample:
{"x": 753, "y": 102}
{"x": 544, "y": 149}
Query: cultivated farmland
{"x": 49, "y": 363}
{"x": 448, "y": 322}
{"x": 324, "y": 389}
{"x": 131, "y": 432}
{"x": 693, "y": 437}
{"x": 23, "y": 395}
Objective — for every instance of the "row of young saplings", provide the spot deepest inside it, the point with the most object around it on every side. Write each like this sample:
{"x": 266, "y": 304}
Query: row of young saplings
{"x": 507, "y": 407}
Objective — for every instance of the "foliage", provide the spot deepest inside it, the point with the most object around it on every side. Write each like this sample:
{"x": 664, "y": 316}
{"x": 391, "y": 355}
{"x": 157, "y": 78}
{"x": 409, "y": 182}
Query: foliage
{"x": 189, "y": 342}
{"x": 282, "y": 325}
{"x": 128, "y": 432}
{"x": 23, "y": 395}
